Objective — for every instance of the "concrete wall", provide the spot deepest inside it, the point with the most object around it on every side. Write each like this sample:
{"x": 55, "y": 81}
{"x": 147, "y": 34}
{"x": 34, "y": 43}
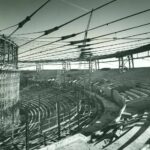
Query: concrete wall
{"x": 9, "y": 97}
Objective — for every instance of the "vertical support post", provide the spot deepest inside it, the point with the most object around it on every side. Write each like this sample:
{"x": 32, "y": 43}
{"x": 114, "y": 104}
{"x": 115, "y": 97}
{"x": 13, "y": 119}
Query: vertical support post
{"x": 27, "y": 130}
{"x": 90, "y": 70}
{"x": 132, "y": 59}
{"x": 86, "y": 32}
{"x": 77, "y": 105}
{"x": 16, "y": 58}
{"x": 98, "y": 64}
{"x": 69, "y": 65}
{"x": 4, "y": 50}
{"x": 122, "y": 61}
{"x": 58, "y": 116}
{"x": 9, "y": 50}
{"x": 40, "y": 128}
{"x": 13, "y": 55}
{"x": 90, "y": 67}
{"x": 38, "y": 67}
{"x": 64, "y": 64}
{"x": 13, "y": 123}
{"x": 129, "y": 61}
{"x": 39, "y": 113}
{"x": 119, "y": 62}
{"x": 95, "y": 64}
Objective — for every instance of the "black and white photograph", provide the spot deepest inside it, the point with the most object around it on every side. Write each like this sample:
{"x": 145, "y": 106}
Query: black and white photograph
{"x": 74, "y": 74}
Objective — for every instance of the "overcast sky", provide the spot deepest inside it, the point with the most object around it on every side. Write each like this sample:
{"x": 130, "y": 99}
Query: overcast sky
{"x": 57, "y": 12}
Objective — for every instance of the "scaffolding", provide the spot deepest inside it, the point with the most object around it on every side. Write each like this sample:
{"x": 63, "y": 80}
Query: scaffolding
{"x": 123, "y": 62}
{"x": 8, "y": 54}
{"x": 9, "y": 84}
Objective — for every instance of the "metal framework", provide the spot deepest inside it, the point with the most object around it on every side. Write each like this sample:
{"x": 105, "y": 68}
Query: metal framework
{"x": 66, "y": 65}
{"x": 39, "y": 67}
{"x": 124, "y": 61}
{"x": 8, "y": 53}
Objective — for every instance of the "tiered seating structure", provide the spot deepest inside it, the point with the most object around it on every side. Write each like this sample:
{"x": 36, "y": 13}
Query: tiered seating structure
{"x": 131, "y": 129}
{"x": 114, "y": 113}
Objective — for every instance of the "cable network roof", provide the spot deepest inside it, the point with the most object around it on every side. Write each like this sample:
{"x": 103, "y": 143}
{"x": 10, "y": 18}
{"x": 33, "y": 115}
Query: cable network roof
{"x": 56, "y": 30}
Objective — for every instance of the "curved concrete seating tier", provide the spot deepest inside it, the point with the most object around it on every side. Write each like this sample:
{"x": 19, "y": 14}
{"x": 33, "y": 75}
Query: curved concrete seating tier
{"x": 84, "y": 119}
{"x": 134, "y": 134}
{"x": 133, "y": 126}
{"x": 109, "y": 111}
{"x": 46, "y": 109}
